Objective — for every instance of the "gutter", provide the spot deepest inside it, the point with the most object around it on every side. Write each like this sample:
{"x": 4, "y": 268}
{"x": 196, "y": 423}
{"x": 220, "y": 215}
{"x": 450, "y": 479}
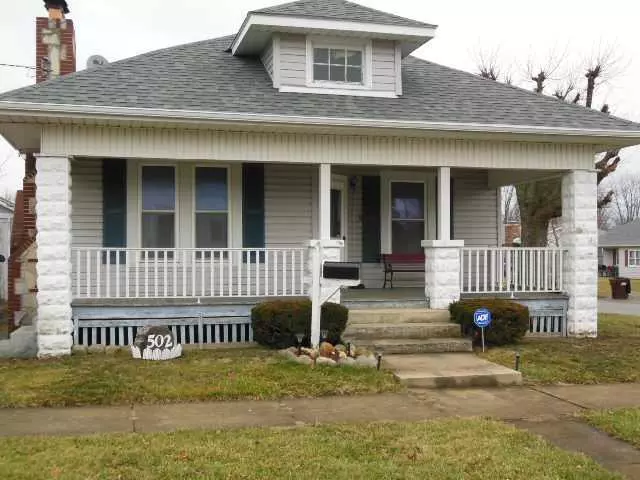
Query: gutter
{"x": 43, "y": 110}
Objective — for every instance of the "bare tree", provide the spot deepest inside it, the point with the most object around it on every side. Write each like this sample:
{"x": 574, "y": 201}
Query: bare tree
{"x": 625, "y": 206}
{"x": 510, "y": 210}
{"x": 539, "y": 202}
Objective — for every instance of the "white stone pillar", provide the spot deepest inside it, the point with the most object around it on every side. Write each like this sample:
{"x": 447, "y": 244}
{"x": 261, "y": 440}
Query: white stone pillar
{"x": 442, "y": 271}
{"x": 580, "y": 237}
{"x": 53, "y": 223}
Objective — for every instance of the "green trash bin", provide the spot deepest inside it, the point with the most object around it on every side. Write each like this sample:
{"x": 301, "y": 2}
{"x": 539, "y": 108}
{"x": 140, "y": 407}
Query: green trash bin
{"x": 620, "y": 288}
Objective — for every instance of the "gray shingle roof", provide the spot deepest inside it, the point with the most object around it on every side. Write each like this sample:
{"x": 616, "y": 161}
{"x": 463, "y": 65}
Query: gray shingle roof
{"x": 627, "y": 235}
{"x": 205, "y": 77}
{"x": 339, "y": 10}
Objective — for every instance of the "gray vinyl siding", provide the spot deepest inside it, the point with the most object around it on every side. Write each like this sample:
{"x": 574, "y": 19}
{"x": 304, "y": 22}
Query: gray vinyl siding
{"x": 267, "y": 59}
{"x": 384, "y": 66}
{"x": 288, "y": 205}
{"x": 293, "y": 60}
{"x": 86, "y": 203}
{"x": 475, "y": 209}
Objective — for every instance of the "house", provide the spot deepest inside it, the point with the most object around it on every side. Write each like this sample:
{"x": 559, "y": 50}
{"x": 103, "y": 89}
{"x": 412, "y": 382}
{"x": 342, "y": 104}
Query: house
{"x": 195, "y": 177}
{"x": 619, "y": 249}
{"x": 6, "y": 217}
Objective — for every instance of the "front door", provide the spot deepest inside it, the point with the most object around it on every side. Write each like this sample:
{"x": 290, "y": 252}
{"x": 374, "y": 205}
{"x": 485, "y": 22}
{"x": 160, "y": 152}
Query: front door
{"x": 339, "y": 210}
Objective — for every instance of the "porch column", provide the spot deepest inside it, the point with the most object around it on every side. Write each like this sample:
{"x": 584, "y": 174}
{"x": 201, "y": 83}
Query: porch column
{"x": 324, "y": 201}
{"x": 53, "y": 224}
{"x": 442, "y": 256}
{"x": 580, "y": 237}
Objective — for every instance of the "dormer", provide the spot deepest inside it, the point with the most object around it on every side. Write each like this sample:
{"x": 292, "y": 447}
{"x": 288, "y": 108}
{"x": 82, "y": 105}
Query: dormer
{"x": 331, "y": 47}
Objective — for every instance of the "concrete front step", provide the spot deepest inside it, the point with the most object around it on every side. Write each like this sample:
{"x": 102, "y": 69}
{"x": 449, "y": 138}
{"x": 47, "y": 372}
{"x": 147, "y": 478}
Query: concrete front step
{"x": 398, "y": 315}
{"x": 364, "y": 331}
{"x": 461, "y": 370}
{"x": 413, "y": 346}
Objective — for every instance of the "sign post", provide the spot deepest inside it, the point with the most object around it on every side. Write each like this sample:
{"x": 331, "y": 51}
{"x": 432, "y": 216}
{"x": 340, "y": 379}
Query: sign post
{"x": 482, "y": 319}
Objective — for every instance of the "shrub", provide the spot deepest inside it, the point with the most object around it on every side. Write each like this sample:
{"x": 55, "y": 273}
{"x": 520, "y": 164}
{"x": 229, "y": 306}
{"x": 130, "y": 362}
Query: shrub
{"x": 276, "y": 323}
{"x": 510, "y": 319}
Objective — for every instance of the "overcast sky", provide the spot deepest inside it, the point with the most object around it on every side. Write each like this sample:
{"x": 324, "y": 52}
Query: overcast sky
{"x": 518, "y": 31}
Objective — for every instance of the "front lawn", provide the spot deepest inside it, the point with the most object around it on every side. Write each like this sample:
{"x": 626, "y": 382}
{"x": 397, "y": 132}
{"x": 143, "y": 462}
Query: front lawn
{"x": 623, "y": 423}
{"x": 449, "y": 449}
{"x": 201, "y": 375}
{"x": 613, "y": 357}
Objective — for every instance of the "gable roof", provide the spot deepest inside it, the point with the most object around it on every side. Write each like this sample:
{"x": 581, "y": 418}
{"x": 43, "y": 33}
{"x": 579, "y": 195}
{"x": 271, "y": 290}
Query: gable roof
{"x": 339, "y": 10}
{"x": 203, "y": 77}
{"x": 627, "y": 235}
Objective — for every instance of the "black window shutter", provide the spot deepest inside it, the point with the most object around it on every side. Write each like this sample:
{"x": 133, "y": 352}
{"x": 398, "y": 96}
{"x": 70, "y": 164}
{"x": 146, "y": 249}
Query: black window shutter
{"x": 114, "y": 202}
{"x": 253, "y": 227}
{"x": 371, "y": 219}
{"x": 114, "y": 205}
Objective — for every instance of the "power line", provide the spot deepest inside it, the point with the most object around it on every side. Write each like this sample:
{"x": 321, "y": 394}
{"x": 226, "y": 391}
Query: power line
{"x": 17, "y": 66}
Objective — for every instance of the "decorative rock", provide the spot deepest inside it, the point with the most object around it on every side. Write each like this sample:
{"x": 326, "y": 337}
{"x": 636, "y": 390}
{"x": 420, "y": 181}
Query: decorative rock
{"x": 368, "y": 361}
{"x": 347, "y": 362}
{"x": 326, "y": 361}
{"x": 327, "y": 350}
{"x": 342, "y": 355}
{"x": 310, "y": 352}
{"x": 341, "y": 348}
{"x": 361, "y": 352}
{"x": 304, "y": 360}
{"x": 288, "y": 353}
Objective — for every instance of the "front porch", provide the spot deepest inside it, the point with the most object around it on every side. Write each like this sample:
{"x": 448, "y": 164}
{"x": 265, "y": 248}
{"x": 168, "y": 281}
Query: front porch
{"x": 137, "y": 228}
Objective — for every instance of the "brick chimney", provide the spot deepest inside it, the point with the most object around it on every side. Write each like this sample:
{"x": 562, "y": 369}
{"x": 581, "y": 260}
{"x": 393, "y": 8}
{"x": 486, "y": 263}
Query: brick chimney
{"x": 55, "y": 56}
{"x": 55, "y": 42}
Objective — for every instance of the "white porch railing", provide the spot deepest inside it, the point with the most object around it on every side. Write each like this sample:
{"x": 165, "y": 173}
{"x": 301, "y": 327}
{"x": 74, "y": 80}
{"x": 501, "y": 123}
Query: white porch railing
{"x": 187, "y": 273}
{"x": 493, "y": 270}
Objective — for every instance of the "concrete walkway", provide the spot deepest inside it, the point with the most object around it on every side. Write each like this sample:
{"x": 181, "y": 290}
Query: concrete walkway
{"x": 631, "y": 306}
{"x": 511, "y": 404}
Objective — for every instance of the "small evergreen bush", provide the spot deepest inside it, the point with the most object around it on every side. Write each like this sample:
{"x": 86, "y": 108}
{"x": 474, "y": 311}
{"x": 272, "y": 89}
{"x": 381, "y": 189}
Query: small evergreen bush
{"x": 276, "y": 323}
{"x": 510, "y": 319}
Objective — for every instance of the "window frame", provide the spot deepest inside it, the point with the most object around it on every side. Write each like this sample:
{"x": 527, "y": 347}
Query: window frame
{"x": 425, "y": 214}
{"x": 195, "y": 210}
{"x": 176, "y": 204}
{"x": 364, "y": 46}
{"x": 635, "y": 253}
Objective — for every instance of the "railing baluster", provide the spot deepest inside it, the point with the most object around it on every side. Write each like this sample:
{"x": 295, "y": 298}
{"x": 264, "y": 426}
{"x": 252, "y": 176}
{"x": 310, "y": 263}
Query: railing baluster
{"x": 202, "y": 265}
{"x": 98, "y": 275}
{"x": 211, "y": 285}
{"x": 137, "y": 258}
{"x": 553, "y": 272}
{"x": 485, "y": 274}
{"x": 561, "y": 273}
{"x": 89, "y": 279}
{"x": 117, "y": 273}
{"x": 275, "y": 272}
{"x": 266, "y": 273}
{"x": 221, "y": 273}
{"x": 127, "y": 293}
{"x": 146, "y": 273}
{"x": 107, "y": 271}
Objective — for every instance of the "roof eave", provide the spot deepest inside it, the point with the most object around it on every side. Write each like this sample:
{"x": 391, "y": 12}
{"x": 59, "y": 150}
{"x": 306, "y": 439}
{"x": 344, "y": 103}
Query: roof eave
{"x": 46, "y": 113}
{"x": 249, "y": 40}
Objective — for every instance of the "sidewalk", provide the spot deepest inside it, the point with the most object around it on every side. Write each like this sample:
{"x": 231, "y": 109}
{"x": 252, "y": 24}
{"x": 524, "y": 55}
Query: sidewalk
{"x": 631, "y": 306}
{"x": 531, "y": 404}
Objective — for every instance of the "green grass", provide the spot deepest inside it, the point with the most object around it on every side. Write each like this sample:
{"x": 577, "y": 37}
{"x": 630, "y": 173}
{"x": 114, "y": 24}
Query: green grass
{"x": 613, "y": 357}
{"x": 623, "y": 423}
{"x": 604, "y": 288}
{"x": 200, "y": 375}
{"x": 450, "y": 449}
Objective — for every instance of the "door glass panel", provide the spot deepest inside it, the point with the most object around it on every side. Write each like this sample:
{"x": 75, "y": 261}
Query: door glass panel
{"x": 407, "y": 217}
{"x": 336, "y": 213}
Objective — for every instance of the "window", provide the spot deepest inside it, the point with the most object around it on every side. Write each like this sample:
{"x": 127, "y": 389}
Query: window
{"x": 337, "y": 65}
{"x": 407, "y": 216}
{"x": 212, "y": 207}
{"x": 158, "y": 207}
{"x": 634, "y": 258}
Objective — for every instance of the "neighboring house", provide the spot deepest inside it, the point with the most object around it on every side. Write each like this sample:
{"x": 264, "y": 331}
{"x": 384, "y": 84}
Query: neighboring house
{"x": 620, "y": 247}
{"x": 201, "y": 172}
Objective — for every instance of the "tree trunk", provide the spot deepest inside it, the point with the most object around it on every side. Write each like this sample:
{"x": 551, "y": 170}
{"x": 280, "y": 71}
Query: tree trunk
{"x": 539, "y": 202}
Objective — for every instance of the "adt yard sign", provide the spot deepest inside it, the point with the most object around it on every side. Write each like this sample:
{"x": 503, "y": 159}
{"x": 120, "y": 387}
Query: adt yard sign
{"x": 482, "y": 318}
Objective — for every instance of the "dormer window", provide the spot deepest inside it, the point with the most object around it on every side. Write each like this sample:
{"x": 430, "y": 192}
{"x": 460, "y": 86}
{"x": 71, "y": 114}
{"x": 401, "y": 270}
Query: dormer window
{"x": 342, "y": 65}
{"x": 338, "y": 63}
